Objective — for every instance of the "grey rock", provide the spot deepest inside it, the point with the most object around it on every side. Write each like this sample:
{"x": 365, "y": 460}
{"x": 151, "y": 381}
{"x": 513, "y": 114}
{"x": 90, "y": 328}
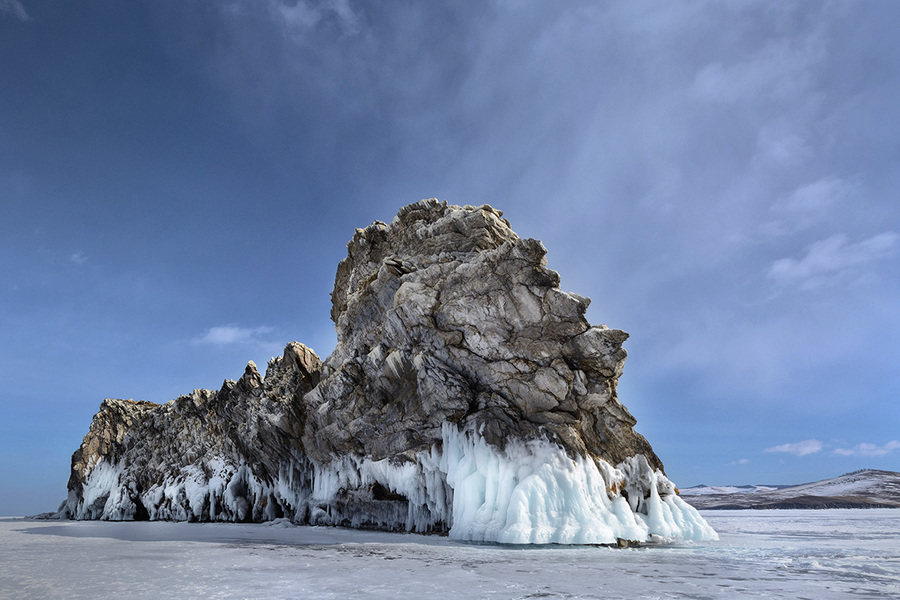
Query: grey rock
{"x": 252, "y": 422}
{"x": 453, "y": 338}
{"x": 473, "y": 330}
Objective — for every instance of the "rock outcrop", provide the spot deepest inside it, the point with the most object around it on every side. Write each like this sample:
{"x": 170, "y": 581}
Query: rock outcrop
{"x": 204, "y": 456}
{"x": 467, "y": 393}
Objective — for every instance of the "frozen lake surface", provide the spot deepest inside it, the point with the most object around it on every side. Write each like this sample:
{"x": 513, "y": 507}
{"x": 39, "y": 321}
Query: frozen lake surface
{"x": 791, "y": 554}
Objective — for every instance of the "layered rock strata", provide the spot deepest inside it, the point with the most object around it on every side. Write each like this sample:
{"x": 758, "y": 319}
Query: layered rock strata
{"x": 467, "y": 394}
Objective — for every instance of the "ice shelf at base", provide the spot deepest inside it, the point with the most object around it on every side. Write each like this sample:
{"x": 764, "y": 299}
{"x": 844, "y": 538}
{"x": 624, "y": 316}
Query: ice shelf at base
{"x": 530, "y": 493}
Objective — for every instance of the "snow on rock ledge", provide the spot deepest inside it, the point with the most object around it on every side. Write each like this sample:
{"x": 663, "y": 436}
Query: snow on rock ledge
{"x": 467, "y": 394}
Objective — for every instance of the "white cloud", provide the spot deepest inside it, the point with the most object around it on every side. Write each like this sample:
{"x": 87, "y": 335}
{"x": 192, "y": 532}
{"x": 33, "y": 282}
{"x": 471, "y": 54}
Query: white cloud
{"x": 14, "y": 8}
{"x": 233, "y": 334}
{"x": 798, "y": 448}
{"x": 777, "y": 145}
{"x": 816, "y": 197}
{"x": 809, "y": 204}
{"x": 780, "y": 70}
{"x": 350, "y": 19}
{"x": 869, "y": 449}
{"x": 827, "y": 261}
{"x": 78, "y": 258}
{"x": 299, "y": 17}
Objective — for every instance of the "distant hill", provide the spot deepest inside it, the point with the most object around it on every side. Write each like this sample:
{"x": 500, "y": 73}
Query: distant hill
{"x": 868, "y": 488}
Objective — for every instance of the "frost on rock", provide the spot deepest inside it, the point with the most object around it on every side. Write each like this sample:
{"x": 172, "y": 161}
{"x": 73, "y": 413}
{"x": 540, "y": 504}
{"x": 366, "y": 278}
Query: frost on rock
{"x": 467, "y": 395}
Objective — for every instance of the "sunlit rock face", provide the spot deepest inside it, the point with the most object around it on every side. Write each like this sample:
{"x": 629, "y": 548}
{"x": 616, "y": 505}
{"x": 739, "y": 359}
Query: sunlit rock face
{"x": 445, "y": 314}
{"x": 467, "y": 394}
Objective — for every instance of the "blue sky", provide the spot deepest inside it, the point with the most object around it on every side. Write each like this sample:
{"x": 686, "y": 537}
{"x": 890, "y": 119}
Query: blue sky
{"x": 178, "y": 181}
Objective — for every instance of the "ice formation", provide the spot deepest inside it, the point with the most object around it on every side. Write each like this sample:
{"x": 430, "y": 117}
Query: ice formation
{"x": 529, "y": 493}
{"x": 467, "y": 395}
{"x": 533, "y": 493}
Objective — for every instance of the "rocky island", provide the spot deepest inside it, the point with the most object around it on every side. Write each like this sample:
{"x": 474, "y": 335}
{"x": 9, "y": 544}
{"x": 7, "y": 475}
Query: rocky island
{"x": 467, "y": 395}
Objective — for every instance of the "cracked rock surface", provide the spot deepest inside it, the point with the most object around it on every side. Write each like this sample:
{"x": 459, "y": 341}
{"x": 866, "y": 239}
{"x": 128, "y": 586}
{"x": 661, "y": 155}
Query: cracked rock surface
{"x": 254, "y": 422}
{"x": 445, "y": 314}
{"x": 467, "y": 394}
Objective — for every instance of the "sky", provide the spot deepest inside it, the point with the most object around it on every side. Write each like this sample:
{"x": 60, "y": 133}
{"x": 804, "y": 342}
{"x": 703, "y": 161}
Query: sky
{"x": 179, "y": 179}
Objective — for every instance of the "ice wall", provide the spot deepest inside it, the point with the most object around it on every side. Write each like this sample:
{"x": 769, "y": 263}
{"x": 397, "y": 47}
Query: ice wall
{"x": 533, "y": 493}
{"x": 529, "y": 493}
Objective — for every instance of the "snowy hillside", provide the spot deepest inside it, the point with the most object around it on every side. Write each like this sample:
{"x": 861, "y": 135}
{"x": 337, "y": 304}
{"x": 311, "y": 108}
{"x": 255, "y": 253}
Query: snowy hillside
{"x": 707, "y": 490}
{"x": 868, "y": 488}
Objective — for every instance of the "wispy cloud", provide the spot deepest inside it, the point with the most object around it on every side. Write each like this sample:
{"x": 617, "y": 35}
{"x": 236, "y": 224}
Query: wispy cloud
{"x": 781, "y": 69}
{"x": 816, "y": 197}
{"x": 869, "y": 449}
{"x": 14, "y": 8}
{"x": 828, "y": 261}
{"x": 233, "y": 334}
{"x": 300, "y": 16}
{"x": 799, "y": 448}
{"x": 808, "y": 205}
{"x": 78, "y": 258}
{"x": 779, "y": 145}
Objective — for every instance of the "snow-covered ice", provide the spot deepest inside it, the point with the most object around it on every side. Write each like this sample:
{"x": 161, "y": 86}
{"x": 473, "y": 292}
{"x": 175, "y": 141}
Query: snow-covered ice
{"x": 822, "y": 555}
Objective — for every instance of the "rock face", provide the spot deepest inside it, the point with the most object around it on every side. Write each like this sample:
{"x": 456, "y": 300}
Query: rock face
{"x": 446, "y": 315}
{"x": 467, "y": 394}
{"x": 202, "y": 456}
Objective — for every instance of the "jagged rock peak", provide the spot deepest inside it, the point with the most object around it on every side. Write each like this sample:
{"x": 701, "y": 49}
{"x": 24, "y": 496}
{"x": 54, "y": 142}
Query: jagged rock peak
{"x": 447, "y": 315}
{"x": 467, "y": 394}
{"x": 135, "y": 447}
{"x": 428, "y": 231}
